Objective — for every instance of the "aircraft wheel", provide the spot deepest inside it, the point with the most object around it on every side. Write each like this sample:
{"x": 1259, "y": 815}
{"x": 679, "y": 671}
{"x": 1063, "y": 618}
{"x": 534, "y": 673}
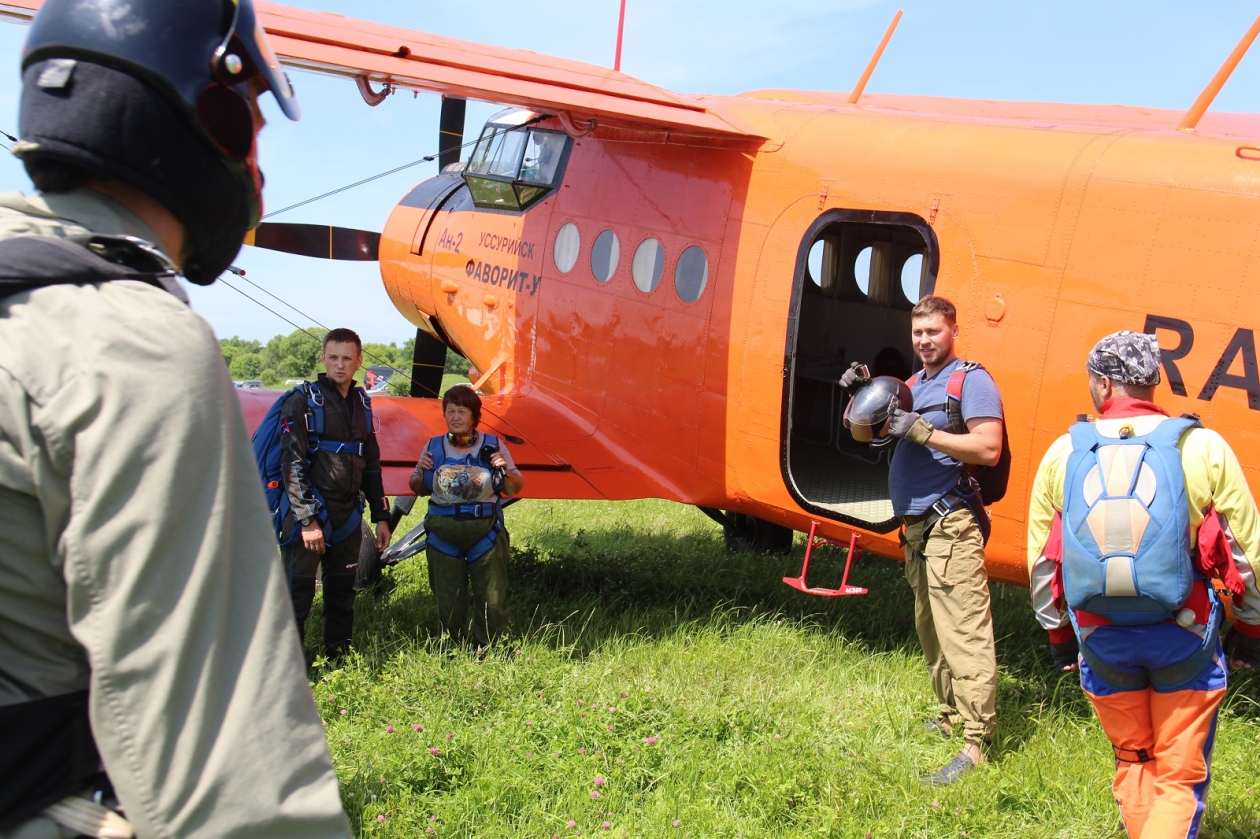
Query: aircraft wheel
{"x": 369, "y": 571}
{"x": 747, "y": 532}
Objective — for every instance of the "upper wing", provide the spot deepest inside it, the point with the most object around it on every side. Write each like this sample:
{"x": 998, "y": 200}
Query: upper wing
{"x": 329, "y": 43}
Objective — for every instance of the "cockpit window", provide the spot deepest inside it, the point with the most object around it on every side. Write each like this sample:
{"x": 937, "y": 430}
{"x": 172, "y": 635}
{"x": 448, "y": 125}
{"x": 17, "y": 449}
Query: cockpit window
{"x": 499, "y": 151}
{"x": 514, "y": 165}
{"x": 542, "y": 157}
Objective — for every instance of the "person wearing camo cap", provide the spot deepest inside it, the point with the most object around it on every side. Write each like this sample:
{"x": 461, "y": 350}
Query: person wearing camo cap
{"x": 1128, "y": 358}
{"x": 1103, "y": 548}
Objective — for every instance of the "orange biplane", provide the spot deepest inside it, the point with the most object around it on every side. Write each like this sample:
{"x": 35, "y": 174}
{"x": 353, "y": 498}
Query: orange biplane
{"x": 661, "y": 290}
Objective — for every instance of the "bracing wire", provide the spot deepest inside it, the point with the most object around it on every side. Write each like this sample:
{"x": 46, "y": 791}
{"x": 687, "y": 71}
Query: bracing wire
{"x": 240, "y": 273}
{"x": 237, "y": 272}
{"x": 426, "y": 159}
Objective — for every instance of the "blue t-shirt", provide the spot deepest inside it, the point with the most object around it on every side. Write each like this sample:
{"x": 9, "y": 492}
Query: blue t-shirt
{"x": 919, "y": 475}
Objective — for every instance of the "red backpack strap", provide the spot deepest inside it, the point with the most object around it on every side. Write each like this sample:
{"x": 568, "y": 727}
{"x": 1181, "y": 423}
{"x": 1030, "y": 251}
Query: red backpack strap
{"x": 953, "y": 393}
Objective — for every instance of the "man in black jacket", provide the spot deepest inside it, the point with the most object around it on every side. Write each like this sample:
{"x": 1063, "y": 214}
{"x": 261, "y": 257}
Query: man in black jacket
{"x": 323, "y": 483}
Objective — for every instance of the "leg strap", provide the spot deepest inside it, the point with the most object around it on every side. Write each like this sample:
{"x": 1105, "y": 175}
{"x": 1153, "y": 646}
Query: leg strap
{"x": 1132, "y": 755}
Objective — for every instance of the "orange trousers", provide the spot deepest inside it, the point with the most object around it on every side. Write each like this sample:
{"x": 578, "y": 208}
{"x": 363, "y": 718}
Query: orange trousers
{"x": 1164, "y": 796}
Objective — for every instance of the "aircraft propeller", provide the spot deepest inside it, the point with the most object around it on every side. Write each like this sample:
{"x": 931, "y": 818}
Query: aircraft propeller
{"x": 318, "y": 240}
{"x": 428, "y": 362}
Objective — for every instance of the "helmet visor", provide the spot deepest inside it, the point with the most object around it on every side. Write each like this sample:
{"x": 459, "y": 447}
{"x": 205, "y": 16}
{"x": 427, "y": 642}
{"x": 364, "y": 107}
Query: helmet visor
{"x": 246, "y": 34}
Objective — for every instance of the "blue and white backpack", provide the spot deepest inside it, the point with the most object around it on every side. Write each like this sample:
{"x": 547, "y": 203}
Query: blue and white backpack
{"x": 1126, "y": 524}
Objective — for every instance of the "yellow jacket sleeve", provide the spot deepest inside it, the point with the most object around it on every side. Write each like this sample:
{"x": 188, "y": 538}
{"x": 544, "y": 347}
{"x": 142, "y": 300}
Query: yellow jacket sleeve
{"x": 1044, "y": 503}
{"x": 1215, "y": 480}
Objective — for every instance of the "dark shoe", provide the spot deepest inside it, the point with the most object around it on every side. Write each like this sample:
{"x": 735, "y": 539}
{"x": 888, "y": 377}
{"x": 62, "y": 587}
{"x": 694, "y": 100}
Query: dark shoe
{"x": 952, "y": 771}
{"x": 939, "y": 725}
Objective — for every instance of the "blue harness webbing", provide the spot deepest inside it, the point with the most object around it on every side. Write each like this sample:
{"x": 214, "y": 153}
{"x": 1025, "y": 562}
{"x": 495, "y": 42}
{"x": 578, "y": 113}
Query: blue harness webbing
{"x": 478, "y": 509}
{"x": 315, "y": 442}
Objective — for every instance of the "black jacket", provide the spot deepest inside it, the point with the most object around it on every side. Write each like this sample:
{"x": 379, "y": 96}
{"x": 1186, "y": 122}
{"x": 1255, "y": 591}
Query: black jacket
{"x": 338, "y": 475}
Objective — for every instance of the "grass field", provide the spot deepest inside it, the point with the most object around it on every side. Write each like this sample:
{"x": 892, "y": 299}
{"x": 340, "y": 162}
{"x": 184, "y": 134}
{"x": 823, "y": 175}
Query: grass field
{"x": 659, "y": 685}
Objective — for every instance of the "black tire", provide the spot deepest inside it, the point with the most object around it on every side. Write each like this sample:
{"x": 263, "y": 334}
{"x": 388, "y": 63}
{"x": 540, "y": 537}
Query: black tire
{"x": 749, "y": 533}
{"x": 369, "y": 570}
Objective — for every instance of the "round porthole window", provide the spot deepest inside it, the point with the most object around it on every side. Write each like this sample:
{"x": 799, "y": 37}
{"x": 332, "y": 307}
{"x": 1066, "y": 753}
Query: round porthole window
{"x": 862, "y": 269}
{"x": 912, "y": 277}
{"x": 649, "y": 262}
{"x": 604, "y": 255}
{"x": 815, "y": 262}
{"x": 565, "y": 252}
{"x": 691, "y": 274}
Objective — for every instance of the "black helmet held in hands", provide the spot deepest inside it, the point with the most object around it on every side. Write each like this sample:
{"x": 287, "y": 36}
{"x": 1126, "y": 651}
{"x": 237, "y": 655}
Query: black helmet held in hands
{"x": 866, "y": 415}
{"x": 159, "y": 95}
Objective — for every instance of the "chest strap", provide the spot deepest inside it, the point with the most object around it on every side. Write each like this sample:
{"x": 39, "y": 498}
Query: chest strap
{"x": 479, "y": 510}
{"x": 338, "y": 447}
{"x": 30, "y": 262}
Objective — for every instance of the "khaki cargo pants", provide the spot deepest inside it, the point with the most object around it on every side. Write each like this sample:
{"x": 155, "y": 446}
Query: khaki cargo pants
{"x": 951, "y": 615}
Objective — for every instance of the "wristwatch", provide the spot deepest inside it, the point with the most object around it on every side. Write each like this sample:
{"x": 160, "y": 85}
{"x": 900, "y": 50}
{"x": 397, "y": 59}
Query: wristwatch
{"x": 304, "y": 522}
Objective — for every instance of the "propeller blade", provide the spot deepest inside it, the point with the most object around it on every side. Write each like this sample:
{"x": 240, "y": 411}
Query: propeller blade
{"x": 428, "y": 363}
{"x": 451, "y": 131}
{"x": 318, "y": 240}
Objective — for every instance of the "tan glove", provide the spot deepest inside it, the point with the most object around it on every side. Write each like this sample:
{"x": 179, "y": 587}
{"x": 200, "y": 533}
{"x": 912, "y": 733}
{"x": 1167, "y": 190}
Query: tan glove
{"x": 908, "y": 425}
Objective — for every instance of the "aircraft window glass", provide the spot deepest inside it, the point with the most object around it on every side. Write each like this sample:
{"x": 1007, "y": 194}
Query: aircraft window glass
{"x": 862, "y": 269}
{"x": 605, "y": 254}
{"x": 542, "y": 156}
{"x": 912, "y": 277}
{"x": 648, "y": 264}
{"x": 568, "y": 243}
{"x": 513, "y": 168}
{"x": 509, "y": 147}
{"x": 815, "y": 262}
{"x": 691, "y": 274}
{"x": 488, "y": 149}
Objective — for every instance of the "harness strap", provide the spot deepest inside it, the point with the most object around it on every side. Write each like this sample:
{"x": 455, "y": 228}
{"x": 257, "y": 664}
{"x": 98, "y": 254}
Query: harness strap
{"x": 86, "y": 817}
{"x": 349, "y": 526}
{"x": 338, "y": 447}
{"x": 1174, "y": 677}
{"x": 479, "y": 510}
{"x": 952, "y": 502}
{"x": 472, "y": 554}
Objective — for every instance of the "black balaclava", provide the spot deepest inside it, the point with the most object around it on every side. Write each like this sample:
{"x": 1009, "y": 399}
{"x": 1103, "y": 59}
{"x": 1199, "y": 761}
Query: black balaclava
{"x": 115, "y": 127}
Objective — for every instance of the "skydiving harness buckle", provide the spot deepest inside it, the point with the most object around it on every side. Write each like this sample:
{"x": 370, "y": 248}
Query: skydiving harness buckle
{"x": 338, "y": 447}
{"x": 479, "y": 510}
{"x": 1132, "y": 755}
{"x": 966, "y": 496}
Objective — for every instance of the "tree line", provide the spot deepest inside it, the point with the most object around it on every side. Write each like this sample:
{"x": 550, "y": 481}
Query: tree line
{"x": 298, "y": 356}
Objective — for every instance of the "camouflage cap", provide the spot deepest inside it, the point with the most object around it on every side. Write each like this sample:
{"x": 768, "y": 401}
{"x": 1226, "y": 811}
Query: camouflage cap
{"x": 1127, "y": 358}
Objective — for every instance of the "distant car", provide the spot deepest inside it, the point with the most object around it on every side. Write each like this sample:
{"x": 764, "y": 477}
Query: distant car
{"x": 376, "y": 378}
{"x": 250, "y": 383}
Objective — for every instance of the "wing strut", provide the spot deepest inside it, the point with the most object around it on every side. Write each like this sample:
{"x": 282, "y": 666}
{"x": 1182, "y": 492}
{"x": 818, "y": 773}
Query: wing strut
{"x": 870, "y": 65}
{"x": 1200, "y": 106}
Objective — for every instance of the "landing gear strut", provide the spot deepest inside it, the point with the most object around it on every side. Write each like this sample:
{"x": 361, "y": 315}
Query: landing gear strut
{"x": 749, "y": 533}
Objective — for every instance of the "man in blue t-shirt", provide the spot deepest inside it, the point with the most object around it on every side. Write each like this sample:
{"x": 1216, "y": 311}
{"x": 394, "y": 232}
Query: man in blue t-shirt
{"x": 938, "y": 502}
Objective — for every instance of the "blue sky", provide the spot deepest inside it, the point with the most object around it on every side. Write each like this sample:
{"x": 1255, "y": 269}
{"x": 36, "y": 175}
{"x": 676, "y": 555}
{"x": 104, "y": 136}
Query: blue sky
{"x": 1158, "y": 54}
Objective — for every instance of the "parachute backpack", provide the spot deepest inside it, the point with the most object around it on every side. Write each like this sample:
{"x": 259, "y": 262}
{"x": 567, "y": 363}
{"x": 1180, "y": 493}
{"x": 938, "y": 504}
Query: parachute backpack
{"x": 1126, "y": 525}
{"x": 269, "y": 454}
